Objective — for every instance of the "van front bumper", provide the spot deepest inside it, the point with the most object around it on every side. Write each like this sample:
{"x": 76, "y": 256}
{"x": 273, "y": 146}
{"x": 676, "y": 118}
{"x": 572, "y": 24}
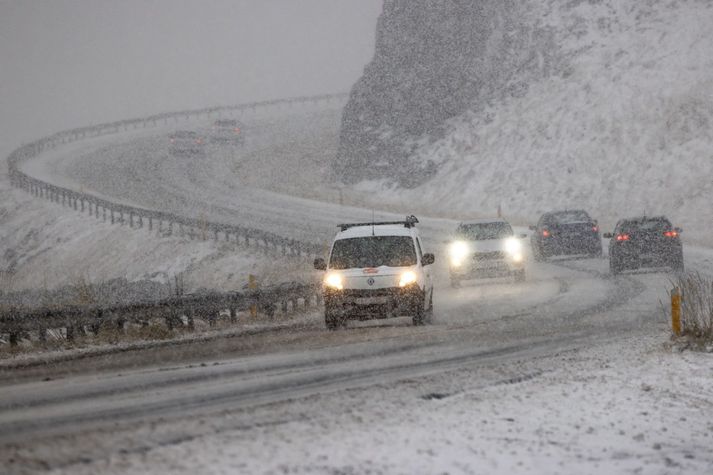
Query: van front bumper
{"x": 365, "y": 304}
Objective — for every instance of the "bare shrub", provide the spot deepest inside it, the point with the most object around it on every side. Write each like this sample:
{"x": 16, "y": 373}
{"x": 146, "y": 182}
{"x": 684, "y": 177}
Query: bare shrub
{"x": 697, "y": 292}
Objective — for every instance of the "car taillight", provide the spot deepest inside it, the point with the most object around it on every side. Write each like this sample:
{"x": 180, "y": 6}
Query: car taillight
{"x": 671, "y": 234}
{"x": 545, "y": 233}
{"x": 622, "y": 237}
{"x": 595, "y": 229}
{"x": 173, "y": 140}
{"x": 199, "y": 141}
{"x": 237, "y": 130}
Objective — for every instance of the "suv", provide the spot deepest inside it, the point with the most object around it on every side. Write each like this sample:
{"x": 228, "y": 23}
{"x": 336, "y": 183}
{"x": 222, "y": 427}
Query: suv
{"x": 570, "y": 232}
{"x": 377, "y": 270}
{"x": 486, "y": 248}
{"x": 645, "y": 242}
{"x": 226, "y": 131}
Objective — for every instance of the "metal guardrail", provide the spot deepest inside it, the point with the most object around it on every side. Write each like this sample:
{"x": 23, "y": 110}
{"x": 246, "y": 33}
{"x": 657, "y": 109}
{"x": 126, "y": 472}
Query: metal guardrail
{"x": 16, "y": 321}
{"x": 140, "y": 217}
{"x": 175, "y": 312}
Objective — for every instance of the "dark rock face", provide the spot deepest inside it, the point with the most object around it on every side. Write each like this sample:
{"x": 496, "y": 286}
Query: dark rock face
{"x": 434, "y": 60}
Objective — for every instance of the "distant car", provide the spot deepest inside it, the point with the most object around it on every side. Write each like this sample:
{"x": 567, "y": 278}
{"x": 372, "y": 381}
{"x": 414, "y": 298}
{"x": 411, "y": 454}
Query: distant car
{"x": 186, "y": 142}
{"x": 226, "y": 131}
{"x": 645, "y": 242}
{"x": 566, "y": 233}
{"x": 486, "y": 248}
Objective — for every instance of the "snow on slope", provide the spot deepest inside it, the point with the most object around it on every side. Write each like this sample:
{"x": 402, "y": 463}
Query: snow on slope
{"x": 47, "y": 246}
{"x": 625, "y": 128}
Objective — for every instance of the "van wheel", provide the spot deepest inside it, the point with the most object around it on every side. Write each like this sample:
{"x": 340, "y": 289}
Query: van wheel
{"x": 332, "y": 321}
{"x": 422, "y": 313}
{"x": 429, "y": 313}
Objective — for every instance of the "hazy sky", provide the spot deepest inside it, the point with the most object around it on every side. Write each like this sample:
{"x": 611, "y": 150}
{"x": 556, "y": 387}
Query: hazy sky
{"x": 66, "y": 63}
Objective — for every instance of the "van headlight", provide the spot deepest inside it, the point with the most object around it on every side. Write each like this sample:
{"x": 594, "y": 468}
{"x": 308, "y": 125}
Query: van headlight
{"x": 407, "y": 278}
{"x": 334, "y": 281}
{"x": 458, "y": 251}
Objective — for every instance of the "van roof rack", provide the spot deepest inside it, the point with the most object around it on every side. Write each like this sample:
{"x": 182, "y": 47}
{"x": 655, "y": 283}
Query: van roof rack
{"x": 409, "y": 222}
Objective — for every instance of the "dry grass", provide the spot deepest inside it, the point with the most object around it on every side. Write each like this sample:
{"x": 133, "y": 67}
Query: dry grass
{"x": 697, "y": 292}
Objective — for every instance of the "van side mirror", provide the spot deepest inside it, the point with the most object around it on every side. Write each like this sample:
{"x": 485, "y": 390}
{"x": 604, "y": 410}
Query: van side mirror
{"x": 428, "y": 259}
{"x": 532, "y": 228}
{"x": 607, "y": 235}
{"x": 320, "y": 264}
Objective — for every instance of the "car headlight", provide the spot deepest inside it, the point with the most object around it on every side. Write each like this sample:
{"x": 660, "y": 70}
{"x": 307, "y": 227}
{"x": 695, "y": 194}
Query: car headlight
{"x": 513, "y": 247}
{"x": 458, "y": 251}
{"x": 334, "y": 281}
{"x": 407, "y": 278}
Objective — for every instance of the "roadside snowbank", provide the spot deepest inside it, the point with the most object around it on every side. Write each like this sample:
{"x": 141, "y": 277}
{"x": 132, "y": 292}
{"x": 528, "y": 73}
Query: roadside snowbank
{"x": 43, "y": 245}
{"x": 627, "y": 406}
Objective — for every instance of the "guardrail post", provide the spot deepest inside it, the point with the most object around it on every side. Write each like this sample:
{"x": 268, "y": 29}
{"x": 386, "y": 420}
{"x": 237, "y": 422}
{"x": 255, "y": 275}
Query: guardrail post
{"x": 252, "y": 285}
{"x": 190, "y": 313}
{"x": 233, "y": 315}
{"x": 676, "y": 311}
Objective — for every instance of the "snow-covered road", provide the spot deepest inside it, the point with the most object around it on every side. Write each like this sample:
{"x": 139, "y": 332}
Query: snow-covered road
{"x": 85, "y": 415}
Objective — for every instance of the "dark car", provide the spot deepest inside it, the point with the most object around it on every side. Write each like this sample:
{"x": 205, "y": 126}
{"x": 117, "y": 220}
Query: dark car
{"x": 566, "y": 233}
{"x": 645, "y": 242}
{"x": 227, "y": 131}
{"x": 186, "y": 142}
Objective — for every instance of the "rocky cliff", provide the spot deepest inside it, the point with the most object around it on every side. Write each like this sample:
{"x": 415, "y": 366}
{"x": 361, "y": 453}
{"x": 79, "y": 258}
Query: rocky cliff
{"x": 434, "y": 59}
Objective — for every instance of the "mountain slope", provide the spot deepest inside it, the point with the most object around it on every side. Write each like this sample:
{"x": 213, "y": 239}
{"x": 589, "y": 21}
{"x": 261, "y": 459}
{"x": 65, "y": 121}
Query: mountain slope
{"x": 622, "y": 126}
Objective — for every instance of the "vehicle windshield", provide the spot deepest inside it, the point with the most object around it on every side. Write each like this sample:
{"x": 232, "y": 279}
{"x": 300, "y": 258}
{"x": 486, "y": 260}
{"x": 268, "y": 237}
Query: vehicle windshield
{"x": 185, "y": 134}
{"x": 647, "y": 225}
{"x": 373, "y": 251}
{"x": 569, "y": 217}
{"x": 225, "y": 123}
{"x": 484, "y": 231}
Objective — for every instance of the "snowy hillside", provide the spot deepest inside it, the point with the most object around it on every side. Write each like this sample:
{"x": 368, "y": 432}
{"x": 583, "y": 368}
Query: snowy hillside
{"x": 624, "y": 127}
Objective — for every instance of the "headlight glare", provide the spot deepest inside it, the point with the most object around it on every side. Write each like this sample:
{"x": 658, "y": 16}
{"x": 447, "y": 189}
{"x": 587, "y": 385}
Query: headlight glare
{"x": 513, "y": 247}
{"x": 407, "y": 278}
{"x": 334, "y": 281}
{"x": 458, "y": 251}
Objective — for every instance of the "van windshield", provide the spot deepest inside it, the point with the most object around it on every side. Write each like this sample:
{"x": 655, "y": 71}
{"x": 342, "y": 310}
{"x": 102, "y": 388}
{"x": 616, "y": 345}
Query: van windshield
{"x": 373, "y": 251}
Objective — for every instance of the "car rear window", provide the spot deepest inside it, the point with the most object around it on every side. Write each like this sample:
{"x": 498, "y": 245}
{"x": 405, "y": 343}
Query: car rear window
{"x": 657, "y": 225}
{"x": 226, "y": 123}
{"x": 484, "y": 231}
{"x": 373, "y": 251}
{"x": 569, "y": 217}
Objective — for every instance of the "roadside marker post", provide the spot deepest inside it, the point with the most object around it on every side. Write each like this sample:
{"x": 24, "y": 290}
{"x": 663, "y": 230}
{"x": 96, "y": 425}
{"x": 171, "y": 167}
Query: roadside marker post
{"x": 252, "y": 285}
{"x": 676, "y": 311}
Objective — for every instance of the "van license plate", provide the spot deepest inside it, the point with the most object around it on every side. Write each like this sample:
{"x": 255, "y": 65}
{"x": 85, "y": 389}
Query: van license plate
{"x": 371, "y": 300}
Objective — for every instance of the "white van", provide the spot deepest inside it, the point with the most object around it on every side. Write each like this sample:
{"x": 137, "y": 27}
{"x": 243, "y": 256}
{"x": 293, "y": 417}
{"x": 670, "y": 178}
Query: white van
{"x": 377, "y": 270}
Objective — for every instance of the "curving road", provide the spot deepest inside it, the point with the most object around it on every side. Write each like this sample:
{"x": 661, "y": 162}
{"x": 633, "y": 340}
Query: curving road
{"x": 101, "y": 407}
